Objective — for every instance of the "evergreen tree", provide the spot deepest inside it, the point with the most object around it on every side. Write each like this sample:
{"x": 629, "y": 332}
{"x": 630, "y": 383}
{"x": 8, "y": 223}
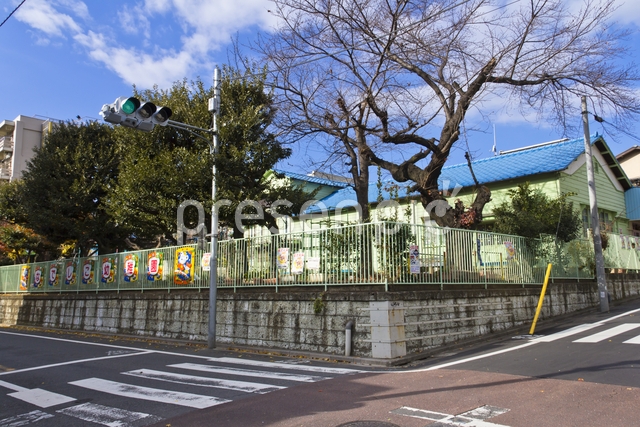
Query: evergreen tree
{"x": 531, "y": 213}
{"x": 66, "y": 186}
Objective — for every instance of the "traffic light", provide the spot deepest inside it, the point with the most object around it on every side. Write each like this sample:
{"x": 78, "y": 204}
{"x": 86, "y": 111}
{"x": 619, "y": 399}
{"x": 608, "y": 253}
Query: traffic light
{"x": 130, "y": 112}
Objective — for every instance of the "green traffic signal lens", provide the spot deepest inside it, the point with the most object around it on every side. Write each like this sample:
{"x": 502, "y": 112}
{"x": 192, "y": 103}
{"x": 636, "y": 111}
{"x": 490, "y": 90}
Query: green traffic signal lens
{"x": 130, "y": 105}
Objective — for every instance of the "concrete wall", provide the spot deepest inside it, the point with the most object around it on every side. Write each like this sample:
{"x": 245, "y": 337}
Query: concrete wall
{"x": 289, "y": 320}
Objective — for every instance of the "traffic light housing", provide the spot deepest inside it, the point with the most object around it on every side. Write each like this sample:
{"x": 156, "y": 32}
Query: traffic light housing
{"x": 130, "y": 112}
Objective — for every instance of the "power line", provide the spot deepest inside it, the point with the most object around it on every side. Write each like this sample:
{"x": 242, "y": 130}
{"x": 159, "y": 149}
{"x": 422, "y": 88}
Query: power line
{"x": 14, "y": 11}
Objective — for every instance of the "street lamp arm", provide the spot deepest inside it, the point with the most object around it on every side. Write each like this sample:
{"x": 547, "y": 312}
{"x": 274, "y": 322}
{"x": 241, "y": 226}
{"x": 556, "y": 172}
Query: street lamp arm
{"x": 187, "y": 128}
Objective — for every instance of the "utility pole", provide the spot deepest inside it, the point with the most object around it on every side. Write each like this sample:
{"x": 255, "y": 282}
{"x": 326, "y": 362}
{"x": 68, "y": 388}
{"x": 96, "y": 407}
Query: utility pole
{"x": 595, "y": 221}
{"x": 214, "y": 107}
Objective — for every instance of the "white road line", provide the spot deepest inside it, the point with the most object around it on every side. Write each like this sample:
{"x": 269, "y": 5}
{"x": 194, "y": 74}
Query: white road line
{"x": 247, "y": 387}
{"x": 247, "y": 372}
{"x": 42, "y": 398}
{"x": 146, "y": 393}
{"x": 265, "y": 364}
{"x": 616, "y": 330}
{"x": 107, "y": 416}
{"x": 635, "y": 340}
{"x": 568, "y": 332}
{"x": 25, "y": 419}
{"x": 73, "y": 362}
{"x": 12, "y": 386}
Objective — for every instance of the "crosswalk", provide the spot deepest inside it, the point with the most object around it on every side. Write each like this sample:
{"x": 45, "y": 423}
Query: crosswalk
{"x": 597, "y": 335}
{"x": 210, "y": 382}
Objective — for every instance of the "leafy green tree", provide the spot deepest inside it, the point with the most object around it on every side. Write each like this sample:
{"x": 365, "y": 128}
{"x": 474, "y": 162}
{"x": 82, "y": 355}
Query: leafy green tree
{"x": 67, "y": 183}
{"x": 168, "y": 166}
{"x": 531, "y": 213}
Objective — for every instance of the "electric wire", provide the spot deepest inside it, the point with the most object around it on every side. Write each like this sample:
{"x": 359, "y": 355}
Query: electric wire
{"x": 14, "y": 11}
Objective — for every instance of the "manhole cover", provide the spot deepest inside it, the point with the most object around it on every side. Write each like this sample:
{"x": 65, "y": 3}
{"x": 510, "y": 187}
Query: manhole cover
{"x": 368, "y": 424}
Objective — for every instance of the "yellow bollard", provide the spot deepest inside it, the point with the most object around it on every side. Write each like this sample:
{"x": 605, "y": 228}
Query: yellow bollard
{"x": 544, "y": 289}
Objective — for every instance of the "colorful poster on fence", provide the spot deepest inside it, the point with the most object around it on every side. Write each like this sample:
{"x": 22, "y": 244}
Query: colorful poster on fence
{"x": 130, "y": 268}
{"x": 206, "y": 261}
{"x": 54, "y": 274}
{"x": 511, "y": 250}
{"x": 183, "y": 266}
{"x": 297, "y": 266}
{"x": 88, "y": 276}
{"x": 154, "y": 266}
{"x": 283, "y": 258}
{"x": 38, "y": 280}
{"x": 414, "y": 259}
{"x": 108, "y": 270}
{"x": 25, "y": 272}
{"x": 70, "y": 273}
{"x": 637, "y": 246}
{"x": 622, "y": 242}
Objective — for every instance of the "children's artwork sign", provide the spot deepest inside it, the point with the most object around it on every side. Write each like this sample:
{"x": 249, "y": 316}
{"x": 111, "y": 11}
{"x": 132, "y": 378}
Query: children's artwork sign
{"x": 183, "y": 266}
{"x": 154, "y": 266}
{"x": 38, "y": 280}
{"x": 283, "y": 258}
{"x": 54, "y": 274}
{"x": 130, "y": 268}
{"x": 623, "y": 242}
{"x": 88, "y": 275}
{"x": 637, "y": 246}
{"x": 297, "y": 266}
{"x": 414, "y": 259}
{"x": 206, "y": 261}
{"x": 108, "y": 270}
{"x": 511, "y": 250}
{"x": 70, "y": 273}
{"x": 25, "y": 273}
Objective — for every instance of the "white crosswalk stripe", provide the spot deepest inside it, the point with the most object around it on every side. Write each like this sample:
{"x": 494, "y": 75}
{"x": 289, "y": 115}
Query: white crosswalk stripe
{"x": 609, "y": 333}
{"x": 597, "y": 337}
{"x": 146, "y": 393}
{"x": 107, "y": 416}
{"x": 247, "y": 372}
{"x": 297, "y": 367}
{"x": 249, "y": 387}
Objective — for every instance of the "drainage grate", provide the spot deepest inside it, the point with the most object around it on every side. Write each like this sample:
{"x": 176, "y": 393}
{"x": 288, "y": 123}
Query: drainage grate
{"x": 368, "y": 424}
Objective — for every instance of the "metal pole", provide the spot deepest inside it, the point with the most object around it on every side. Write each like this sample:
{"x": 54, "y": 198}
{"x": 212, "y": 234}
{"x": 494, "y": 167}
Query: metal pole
{"x": 597, "y": 242}
{"x": 213, "y": 282}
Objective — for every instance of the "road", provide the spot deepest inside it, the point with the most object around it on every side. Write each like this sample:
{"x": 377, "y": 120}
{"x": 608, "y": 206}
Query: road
{"x": 580, "y": 372}
{"x": 49, "y": 380}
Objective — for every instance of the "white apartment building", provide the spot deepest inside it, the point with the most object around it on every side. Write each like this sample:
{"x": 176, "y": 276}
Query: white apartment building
{"x": 18, "y": 139}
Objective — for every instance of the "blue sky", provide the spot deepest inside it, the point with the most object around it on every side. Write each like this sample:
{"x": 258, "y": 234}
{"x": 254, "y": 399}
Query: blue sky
{"x": 66, "y": 58}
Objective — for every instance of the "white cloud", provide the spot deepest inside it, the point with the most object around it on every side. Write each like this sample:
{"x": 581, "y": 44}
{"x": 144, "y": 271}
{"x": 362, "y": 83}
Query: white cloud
{"x": 154, "y": 57}
{"x": 42, "y": 15}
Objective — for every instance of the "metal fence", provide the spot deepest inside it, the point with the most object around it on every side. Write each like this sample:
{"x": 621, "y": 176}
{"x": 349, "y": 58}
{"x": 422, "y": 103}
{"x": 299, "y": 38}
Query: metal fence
{"x": 385, "y": 253}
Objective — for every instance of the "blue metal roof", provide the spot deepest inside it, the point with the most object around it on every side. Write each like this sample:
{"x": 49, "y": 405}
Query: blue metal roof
{"x": 538, "y": 159}
{"x": 544, "y": 158}
{"x": 312, "y": 179}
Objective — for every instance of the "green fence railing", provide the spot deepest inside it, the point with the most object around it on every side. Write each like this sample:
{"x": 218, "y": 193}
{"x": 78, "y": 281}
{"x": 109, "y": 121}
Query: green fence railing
{"x": 385, "y": 253}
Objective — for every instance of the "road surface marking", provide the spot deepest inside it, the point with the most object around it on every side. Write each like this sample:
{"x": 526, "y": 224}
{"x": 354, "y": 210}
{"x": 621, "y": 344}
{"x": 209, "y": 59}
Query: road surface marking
{"x": 12, "y": 386}
{"x": 107, "y": 416}
{"x": 248, "y": 387}
{"x": 285, "y": 365}
{"x": 73, "y": 362}
{"x": 146, "y": 393}
{"x": 310, "y": 368}
{"x": 25, "y": 419}
{"x": 635, "y": 340}
{"x": 474, "y": 418}
{"x": 247, "y": 372}
{"x": 568, "y": 332}
{"x": 42, "y": 398}
{"x": 616, "y": 330}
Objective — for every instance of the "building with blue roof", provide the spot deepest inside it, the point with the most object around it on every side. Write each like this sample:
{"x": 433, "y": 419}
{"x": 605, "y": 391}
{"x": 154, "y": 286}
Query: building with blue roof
{"x": 555, "y": 168}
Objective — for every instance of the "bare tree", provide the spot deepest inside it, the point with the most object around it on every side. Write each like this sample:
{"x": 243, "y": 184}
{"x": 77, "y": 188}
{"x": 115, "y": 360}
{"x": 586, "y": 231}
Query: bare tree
{"x": 389, "y": 82}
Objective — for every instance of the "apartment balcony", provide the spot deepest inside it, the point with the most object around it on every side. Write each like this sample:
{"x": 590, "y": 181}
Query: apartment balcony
{"x": 6, "y": 144}
{"x": 5, "y": 173}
